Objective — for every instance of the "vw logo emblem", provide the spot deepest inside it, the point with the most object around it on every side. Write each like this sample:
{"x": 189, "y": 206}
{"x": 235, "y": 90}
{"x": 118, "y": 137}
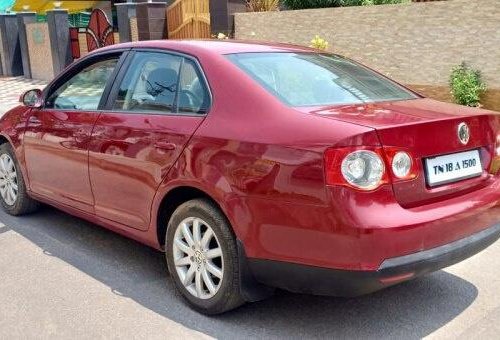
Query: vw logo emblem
{"x": 463, "y": 133}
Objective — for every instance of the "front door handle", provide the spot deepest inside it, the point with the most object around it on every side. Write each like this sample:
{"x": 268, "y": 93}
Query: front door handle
{"x": 164, "y": 145}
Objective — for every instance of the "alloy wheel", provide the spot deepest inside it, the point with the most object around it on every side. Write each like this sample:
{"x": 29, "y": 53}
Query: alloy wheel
{"x": 198, "y": 258}
{"x": 8, "y": 179}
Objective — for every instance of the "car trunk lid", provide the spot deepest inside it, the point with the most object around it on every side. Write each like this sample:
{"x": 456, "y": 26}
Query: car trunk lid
{"x": 426, "y": 129}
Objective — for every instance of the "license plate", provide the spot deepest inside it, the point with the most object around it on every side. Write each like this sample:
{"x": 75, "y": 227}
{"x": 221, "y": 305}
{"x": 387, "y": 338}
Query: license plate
{"x": 452, "y": 168}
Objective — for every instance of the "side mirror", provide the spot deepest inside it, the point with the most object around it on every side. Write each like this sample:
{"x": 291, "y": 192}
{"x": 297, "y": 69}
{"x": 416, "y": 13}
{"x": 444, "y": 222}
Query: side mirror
{"x": 32, "y": 98}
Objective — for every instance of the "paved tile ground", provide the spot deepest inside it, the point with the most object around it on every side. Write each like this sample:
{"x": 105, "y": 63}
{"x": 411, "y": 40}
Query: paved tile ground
{"x": 12, "y": 87}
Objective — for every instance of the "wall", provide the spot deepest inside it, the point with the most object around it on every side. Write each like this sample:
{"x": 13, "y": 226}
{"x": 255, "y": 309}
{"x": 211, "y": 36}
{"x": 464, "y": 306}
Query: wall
{"x": 82, "y": 41}
{"x": 1, "y": 56}
{"x": 11, "y": 50}
{"x": 134, "y": 33}
{"x": 416, "y": 44}
{"x": 37, "y": 35}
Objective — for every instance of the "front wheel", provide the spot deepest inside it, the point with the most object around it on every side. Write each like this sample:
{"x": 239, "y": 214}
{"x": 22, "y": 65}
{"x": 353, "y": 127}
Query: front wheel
{"x": 202, "y": 257}
{"x": 13, "y": 195}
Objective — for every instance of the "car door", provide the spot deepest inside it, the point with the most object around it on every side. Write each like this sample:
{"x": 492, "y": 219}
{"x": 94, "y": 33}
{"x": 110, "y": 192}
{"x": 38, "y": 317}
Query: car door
{"x": 157, "y": 103}
{"x": 58, "y": 134}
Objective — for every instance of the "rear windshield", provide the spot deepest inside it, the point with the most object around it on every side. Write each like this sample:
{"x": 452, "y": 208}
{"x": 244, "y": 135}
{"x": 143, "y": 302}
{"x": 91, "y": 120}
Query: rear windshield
{"x": 313, "y": 79}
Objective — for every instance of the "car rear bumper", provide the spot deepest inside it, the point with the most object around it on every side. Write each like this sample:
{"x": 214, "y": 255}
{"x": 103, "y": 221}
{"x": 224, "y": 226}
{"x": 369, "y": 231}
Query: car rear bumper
{"x": 347, "y": 283}
{"x": 358, "y": 231}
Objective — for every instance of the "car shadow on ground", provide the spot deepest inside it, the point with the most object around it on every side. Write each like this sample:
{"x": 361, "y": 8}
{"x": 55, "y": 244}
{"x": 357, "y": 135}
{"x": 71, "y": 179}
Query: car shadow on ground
{"x": 410, "y": 310}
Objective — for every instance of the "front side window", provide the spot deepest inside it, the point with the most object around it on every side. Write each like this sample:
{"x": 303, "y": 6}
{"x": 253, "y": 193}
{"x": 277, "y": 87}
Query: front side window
{"x": 162, "y": 83}
{"x": 314, "y": 79}
{"x": 84, "y": 90}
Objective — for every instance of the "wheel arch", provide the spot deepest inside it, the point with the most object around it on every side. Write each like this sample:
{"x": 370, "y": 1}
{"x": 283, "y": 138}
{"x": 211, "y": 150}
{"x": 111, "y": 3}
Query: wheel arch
{"x": 4, "y": 139}
{"x": 250, "y": 289}
{"x": 172, "y": 200}
{"x": 17, "y": 148}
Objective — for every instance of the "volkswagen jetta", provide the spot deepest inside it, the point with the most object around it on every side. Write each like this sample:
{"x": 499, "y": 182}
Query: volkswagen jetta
{"x": 255, "y": 166}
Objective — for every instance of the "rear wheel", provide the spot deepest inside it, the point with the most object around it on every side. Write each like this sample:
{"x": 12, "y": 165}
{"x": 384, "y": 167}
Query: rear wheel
{"x": 202, "y": 257}
{"x": 13, "y": 195}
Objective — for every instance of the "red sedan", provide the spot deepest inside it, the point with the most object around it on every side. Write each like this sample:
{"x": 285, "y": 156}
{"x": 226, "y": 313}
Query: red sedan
{"x": 255, "y": 166}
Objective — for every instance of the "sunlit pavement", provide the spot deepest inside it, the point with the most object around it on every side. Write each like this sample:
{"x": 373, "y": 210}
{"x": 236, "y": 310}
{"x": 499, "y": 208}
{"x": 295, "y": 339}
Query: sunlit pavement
{"x": 12, "y": 87}
{"x": 62, "y": 277}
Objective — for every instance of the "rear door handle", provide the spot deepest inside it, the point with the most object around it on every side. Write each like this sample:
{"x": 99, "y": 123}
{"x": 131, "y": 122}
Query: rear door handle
{"x": 165, "y": 145}
{"x": 34, "y": 120}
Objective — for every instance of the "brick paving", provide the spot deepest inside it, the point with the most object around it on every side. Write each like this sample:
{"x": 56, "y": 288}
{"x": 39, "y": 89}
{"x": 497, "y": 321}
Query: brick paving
{"x": 12, "y": 87}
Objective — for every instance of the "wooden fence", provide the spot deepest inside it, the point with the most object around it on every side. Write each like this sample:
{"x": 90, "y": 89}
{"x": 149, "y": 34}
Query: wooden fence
{"x": 188, "y": 19}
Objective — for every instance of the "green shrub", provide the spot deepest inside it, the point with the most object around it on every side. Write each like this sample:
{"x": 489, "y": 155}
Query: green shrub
{"x": 302, "y": 4}
{"x": 466, "y": 85}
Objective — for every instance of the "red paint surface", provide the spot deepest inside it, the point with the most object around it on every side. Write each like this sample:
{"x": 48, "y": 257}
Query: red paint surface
{"x": 129, "y": 158}
{"x": 263, "y": 163}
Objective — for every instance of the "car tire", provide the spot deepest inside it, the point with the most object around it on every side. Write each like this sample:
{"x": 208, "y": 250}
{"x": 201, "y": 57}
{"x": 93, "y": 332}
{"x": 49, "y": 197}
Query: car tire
{"x": 220, "y": 294}
{"x": 13, "y": 195}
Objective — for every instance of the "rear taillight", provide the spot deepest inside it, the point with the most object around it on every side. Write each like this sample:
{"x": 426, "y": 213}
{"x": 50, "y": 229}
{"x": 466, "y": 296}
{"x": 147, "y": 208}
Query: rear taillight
{"x": 367, "y": 168}
{"x": 359, "y": 167}
{"x": 400, "y": 160}
{"x": 495, "y": 160}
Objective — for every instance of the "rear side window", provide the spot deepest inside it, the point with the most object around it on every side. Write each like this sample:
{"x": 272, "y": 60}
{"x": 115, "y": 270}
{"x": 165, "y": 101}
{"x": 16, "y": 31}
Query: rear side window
{"x": 314, "y": 79}
{"x": 193, "y": 94}
{"x": 162, "y": 83}
{"x": 150, "y": 83}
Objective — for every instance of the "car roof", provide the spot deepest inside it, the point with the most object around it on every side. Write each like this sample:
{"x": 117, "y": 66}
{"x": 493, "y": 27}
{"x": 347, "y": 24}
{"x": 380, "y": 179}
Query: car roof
{"x": 213, "y": 46}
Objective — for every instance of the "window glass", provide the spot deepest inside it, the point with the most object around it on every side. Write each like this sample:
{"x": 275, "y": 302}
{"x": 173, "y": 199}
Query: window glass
{"x": 313, "y": 79}
{"x": 84, "y": 90}
{"x": 150, "y": 83}
{"x": 193, "y": 95}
